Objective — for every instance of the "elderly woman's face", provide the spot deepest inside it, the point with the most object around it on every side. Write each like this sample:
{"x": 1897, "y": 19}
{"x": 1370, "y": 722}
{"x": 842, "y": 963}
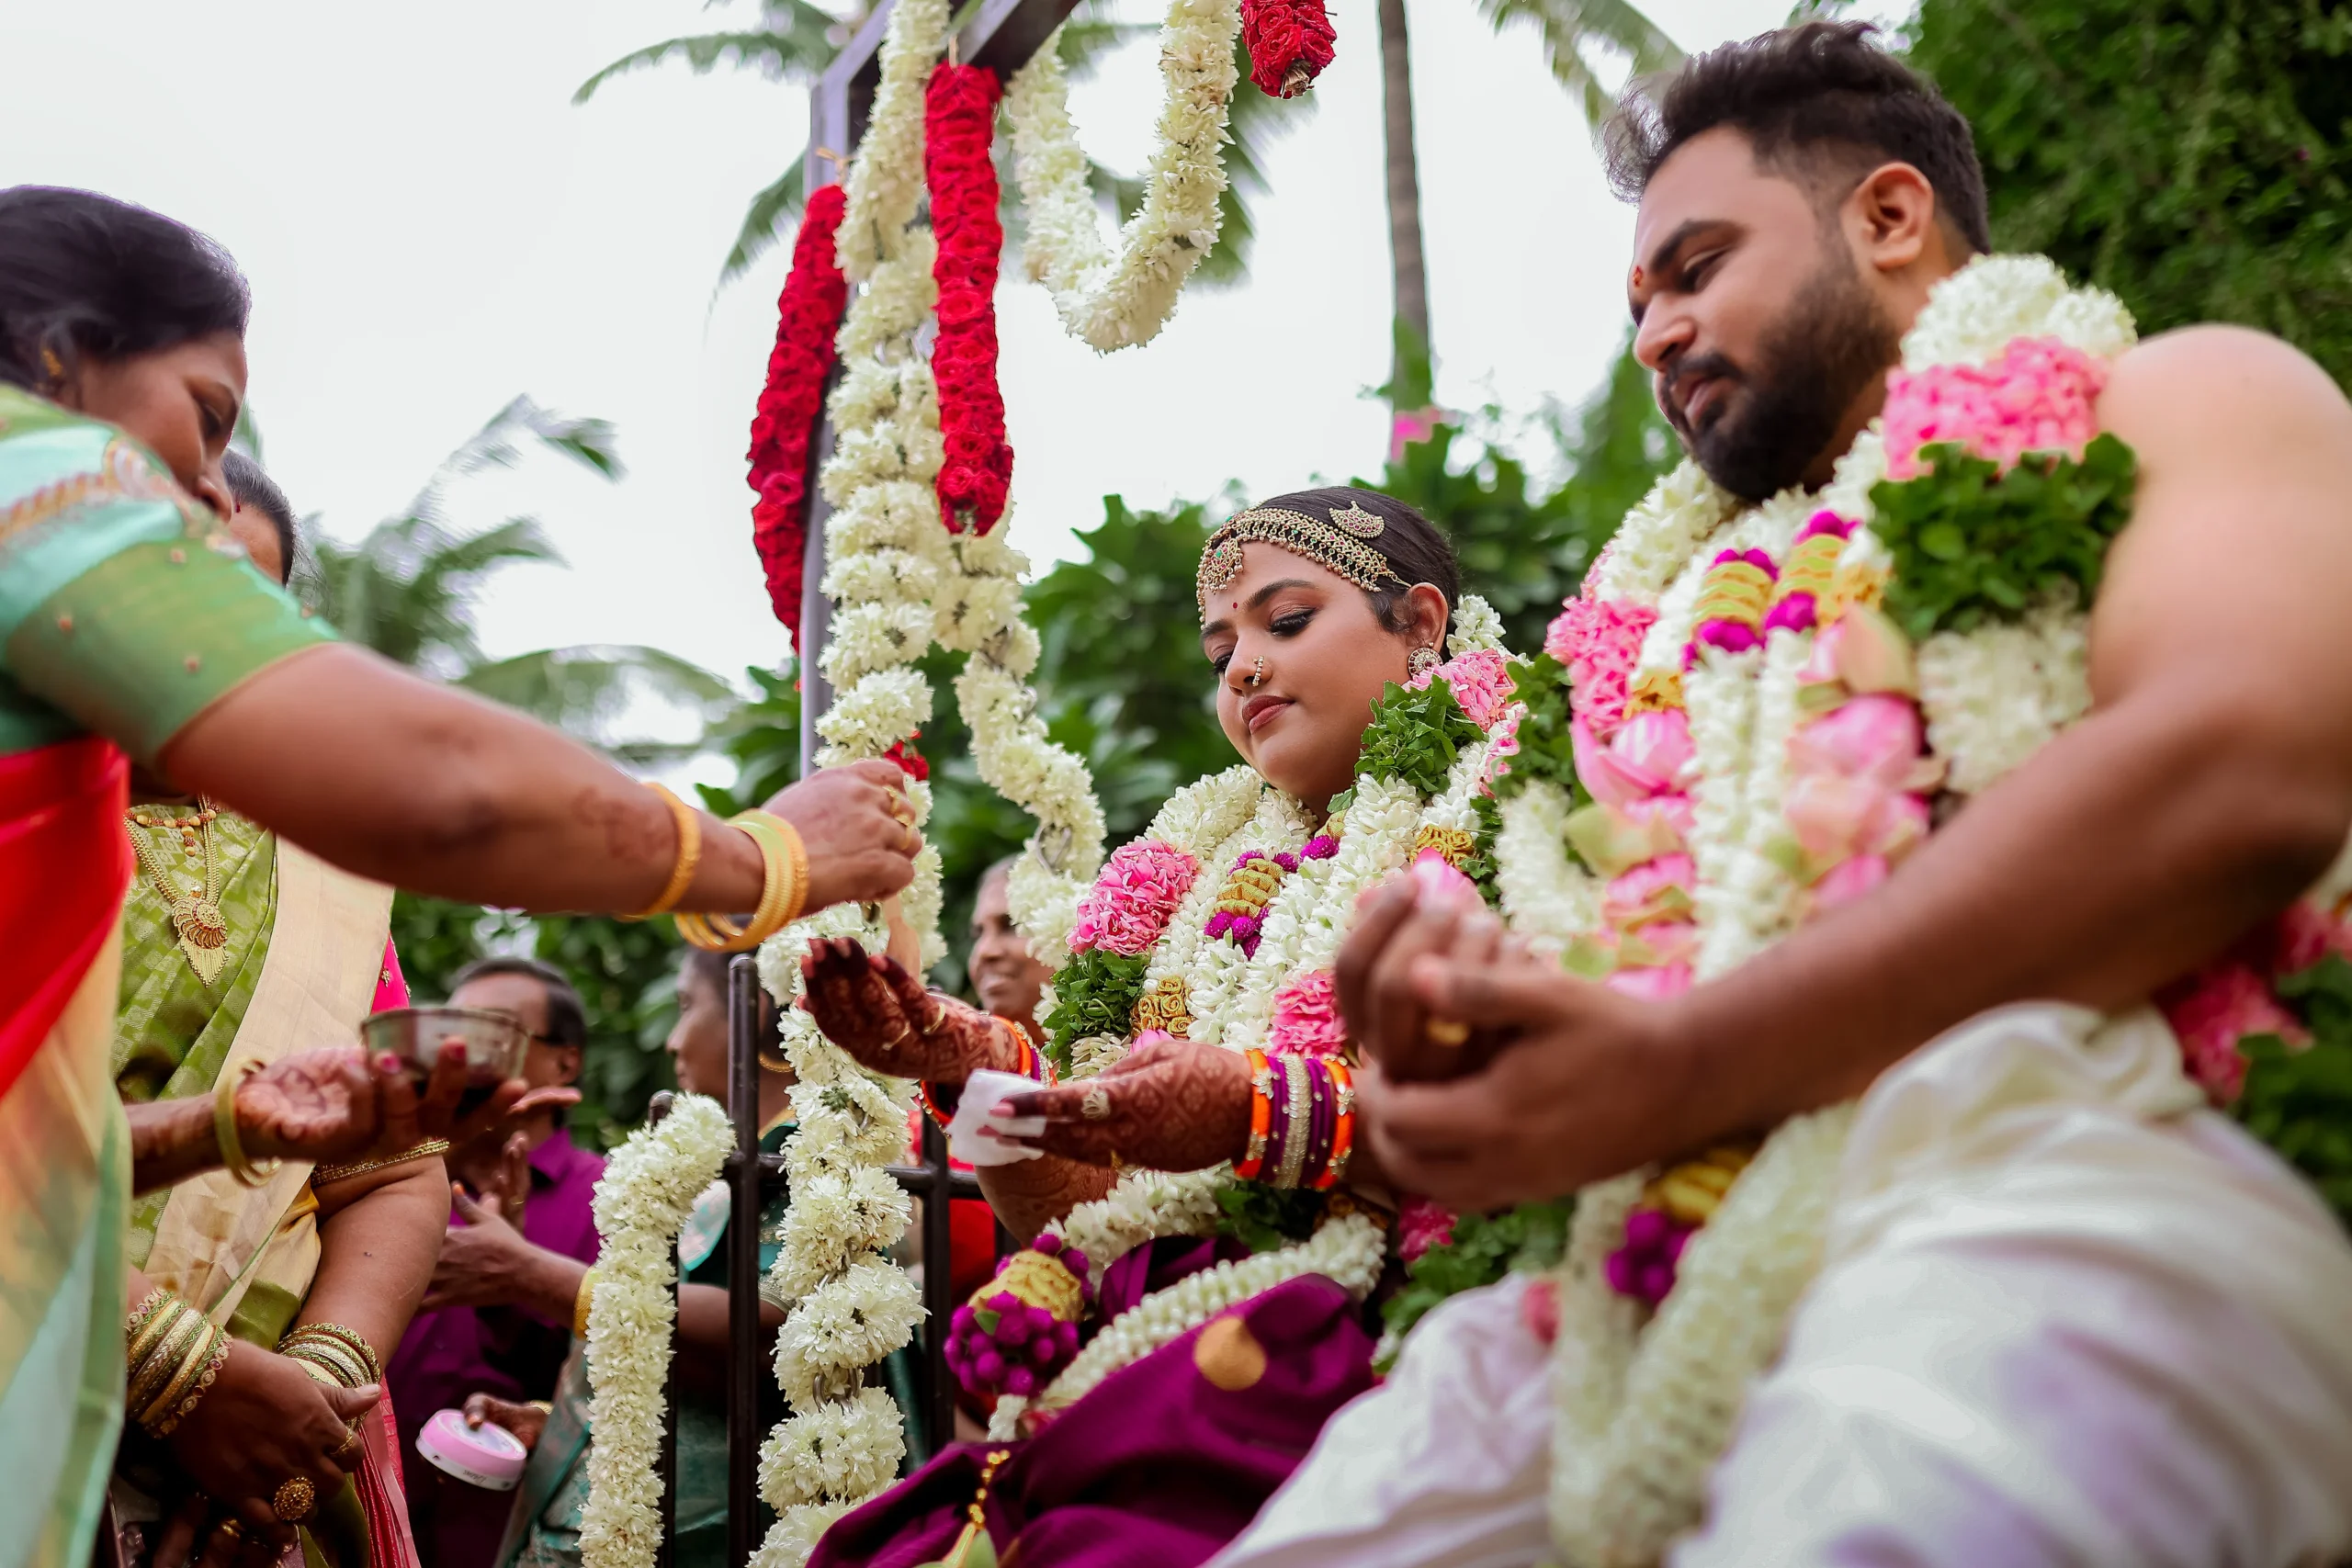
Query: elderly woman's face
{"x": 181, "y": 402}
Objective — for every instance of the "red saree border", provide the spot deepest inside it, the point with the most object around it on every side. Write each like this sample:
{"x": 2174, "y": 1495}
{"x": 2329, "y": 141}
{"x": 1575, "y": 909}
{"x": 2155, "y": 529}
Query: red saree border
{"x": 64, "y": 867}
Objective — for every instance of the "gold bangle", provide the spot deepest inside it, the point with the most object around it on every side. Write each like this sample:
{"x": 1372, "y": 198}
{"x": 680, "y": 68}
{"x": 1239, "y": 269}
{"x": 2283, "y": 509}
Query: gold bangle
{"x": 682, "y": 870}
{"x": 249, "y": 1173}
{"x": 350, "y": 1339}
{"x": 155, "y": 1368}
{"x": 328, "y": 1175}
{"x": 191, "y": 1365}
{"x": 217, "y": 1356}
{"x": 784, "y": 884}
{"x": 319, "y": 1372}
{"x": 146, "y": 1316}
{"x": 579, "y": 1303}
{"x": 335, "y": 1363}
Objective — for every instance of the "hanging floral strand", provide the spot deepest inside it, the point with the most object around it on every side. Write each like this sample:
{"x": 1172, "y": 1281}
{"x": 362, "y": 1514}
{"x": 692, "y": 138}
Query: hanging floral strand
{"x": 1289, "y": 43}
{"x": 959, "y": 120}
{"x": 808, "y": 315}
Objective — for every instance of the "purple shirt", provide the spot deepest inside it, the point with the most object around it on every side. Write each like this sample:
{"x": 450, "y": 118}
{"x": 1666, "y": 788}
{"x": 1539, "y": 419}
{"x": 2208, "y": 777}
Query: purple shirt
{"x": 511, "y": 1352}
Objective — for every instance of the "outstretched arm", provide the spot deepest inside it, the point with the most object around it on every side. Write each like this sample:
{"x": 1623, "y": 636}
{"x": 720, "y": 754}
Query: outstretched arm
{"x": 2209, "y": 785}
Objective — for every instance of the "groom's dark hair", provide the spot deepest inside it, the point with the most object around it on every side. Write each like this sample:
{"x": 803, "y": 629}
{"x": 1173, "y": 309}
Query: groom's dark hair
{"x": 1820, "y": 103}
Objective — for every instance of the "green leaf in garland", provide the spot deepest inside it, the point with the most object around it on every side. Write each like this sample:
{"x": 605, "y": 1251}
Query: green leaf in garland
{"x": 1265, "y": 1218}
{"x": 1528, "y": 1239}
{"x": 1416, "y": 736}
{"x": 1973, "y": 545}
{"x": 1095, "y": 993}
{"x": 2299, "y": 1100}
{"x": 1546, "y": 750}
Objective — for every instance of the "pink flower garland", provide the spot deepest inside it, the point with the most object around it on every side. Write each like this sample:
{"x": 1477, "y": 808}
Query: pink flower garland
{"x": 1599, "y": 641}
{"x": 1130, "y": 903}
{"x": 1480, "y": 681}
{"x": 2039, "y": 396}
{"x": 808, "y": 315}
{"x": 959, "y": 122}
{"x": 1306, "y": 1021}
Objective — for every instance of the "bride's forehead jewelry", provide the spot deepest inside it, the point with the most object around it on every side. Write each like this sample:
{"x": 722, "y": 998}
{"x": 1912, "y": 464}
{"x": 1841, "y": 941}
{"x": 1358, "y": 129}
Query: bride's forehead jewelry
{"x": 1338, "y": 547}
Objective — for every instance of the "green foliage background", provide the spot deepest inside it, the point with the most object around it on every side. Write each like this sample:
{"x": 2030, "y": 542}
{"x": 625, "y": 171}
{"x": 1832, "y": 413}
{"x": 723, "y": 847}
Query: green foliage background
{"x": 2195, "y": 156}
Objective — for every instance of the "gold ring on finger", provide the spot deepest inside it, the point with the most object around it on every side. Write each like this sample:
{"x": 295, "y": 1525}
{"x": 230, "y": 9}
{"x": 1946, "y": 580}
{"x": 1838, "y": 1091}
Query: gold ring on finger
{"x": 1449, "y": 1032}
{"x": 895, "y": 1041}
{"x": 292, "y": 1500}
{"x": 912, "y": 842}
{"x": 230, "y": 1528}
{"x": 1096, "y": 1105}
{"x": 938, "y": 1016}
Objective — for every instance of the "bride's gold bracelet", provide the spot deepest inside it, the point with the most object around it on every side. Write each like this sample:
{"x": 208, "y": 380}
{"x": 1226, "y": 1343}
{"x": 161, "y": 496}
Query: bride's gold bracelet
{"x": 328, "y": 1175}
{"x": 784, "y": 888}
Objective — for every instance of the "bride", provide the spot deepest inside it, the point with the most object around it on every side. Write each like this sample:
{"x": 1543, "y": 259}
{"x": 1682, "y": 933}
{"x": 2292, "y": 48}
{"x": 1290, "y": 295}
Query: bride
{"x": 1206, "y": 1227}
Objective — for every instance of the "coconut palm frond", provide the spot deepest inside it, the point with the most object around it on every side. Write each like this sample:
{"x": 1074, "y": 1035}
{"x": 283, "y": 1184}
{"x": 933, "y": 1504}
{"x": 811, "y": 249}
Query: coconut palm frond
{"x": 767, "y": 221}
{"x": 1575, "y": 31}
{"x": 793, "y": 45}
{"x": 582, "y": 689}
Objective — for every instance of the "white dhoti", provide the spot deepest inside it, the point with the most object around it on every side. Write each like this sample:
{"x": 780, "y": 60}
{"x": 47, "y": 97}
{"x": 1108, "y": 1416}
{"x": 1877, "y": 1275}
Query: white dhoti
{"x": 2065, "y": 1315}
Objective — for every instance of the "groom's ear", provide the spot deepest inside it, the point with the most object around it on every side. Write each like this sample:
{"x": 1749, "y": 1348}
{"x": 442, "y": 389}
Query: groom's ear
{"x": 1892, "y": 219}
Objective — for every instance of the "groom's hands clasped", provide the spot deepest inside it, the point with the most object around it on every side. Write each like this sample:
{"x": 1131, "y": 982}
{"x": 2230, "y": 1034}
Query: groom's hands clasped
{"x": 1566, "y": 1082}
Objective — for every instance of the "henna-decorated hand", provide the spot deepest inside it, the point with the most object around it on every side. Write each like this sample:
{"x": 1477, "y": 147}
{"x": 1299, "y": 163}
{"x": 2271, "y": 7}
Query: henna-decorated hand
{"x": 1171, "y": 1105}
{"x": 881, "y": 1015}
{"x": 320, "y": 1105}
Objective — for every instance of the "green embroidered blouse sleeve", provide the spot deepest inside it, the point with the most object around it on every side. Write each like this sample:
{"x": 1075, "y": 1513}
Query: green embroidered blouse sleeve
{"x": 124, "y": 608}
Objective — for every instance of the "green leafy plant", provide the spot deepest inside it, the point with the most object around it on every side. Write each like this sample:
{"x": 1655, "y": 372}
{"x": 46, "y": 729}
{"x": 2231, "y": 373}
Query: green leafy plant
{"x": 1528, "y": 1239}
{"x": 1095, "y": 993}
{"x": 2299, "y": 1100}
{"x": 1265, "y": 1218}
{"x": 1416, "y": 736}
{"x": 1972, "y": 544}
{"x": 1547, "y": 743}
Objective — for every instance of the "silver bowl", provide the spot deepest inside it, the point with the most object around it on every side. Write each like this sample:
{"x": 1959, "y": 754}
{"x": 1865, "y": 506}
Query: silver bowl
{"x": 495, "y": 1042}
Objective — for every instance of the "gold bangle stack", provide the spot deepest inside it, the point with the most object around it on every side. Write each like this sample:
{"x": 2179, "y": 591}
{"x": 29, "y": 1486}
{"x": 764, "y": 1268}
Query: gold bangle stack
{"x": 784, "y": 888}
{"x": 249, "y": 1173}
{"x": 328, "y": 1175}
{"x": 343, "y": 1354}
{"x": 681, "y": 871}
{"x": 174, "y": 1353}
{"x": 579, "y": 1303}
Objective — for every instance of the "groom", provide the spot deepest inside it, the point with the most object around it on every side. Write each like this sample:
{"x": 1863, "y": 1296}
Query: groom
{"x": 2053, "y": 1389}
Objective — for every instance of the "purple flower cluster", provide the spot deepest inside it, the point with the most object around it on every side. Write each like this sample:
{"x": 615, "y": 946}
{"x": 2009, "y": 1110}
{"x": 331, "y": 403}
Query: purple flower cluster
{"x": 1644, "y": 1268}
{"x": 1004, "y": 1345}
{"x": 1241, "y": 913}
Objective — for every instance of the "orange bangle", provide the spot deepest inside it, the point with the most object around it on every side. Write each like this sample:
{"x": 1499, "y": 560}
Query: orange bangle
{"x": 1343, "y": 1133}
{"x": 682, "y": 870}
{"x": 1261, "y": 1117}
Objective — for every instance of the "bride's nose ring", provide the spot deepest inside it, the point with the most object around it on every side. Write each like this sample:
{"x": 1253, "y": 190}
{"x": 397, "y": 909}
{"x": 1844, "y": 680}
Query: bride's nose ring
{"x": 1258, "y": 672}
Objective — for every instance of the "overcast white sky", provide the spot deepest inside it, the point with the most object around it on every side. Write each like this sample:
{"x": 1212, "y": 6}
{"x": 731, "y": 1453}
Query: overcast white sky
{"x": 431, "y": 227}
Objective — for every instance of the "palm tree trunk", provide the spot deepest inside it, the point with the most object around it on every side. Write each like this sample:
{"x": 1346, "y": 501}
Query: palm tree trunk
{"x": 1410, "y": 371}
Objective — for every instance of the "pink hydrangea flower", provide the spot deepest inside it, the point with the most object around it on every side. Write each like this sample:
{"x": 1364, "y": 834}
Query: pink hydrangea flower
{"x": 2308, "y": 933}
{"x": 1306, "y": 1018}
{"x": 1129, "y": 904}
{"x": 1481, "y": 683}
{"x": 2213, "y": 1011}
{"x": 2039, "y": 396}
{"x": 1421, "y": 1225}
{"x": 1599, "y": 640}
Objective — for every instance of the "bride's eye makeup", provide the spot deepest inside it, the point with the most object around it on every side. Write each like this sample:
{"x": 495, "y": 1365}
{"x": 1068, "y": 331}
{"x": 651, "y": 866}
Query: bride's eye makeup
{"x": 1290, "y": 623}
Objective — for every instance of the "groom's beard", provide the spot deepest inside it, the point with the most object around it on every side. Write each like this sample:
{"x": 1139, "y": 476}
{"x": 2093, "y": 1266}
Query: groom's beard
{"x": 1833, "y": 341}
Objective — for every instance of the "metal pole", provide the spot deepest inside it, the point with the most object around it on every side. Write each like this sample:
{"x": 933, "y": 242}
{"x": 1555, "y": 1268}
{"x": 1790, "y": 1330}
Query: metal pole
{"x": 743, "y": 1261}
{"x": 938, "y": 1284}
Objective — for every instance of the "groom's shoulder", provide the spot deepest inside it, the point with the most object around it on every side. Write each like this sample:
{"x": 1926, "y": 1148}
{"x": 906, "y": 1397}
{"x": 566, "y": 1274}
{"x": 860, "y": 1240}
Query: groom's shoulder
{"x": 2217, "y": 388}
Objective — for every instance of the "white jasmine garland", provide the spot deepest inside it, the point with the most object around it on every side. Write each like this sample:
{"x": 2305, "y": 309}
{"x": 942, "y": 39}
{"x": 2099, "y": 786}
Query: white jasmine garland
{"x": 641, "y": 1201}
{"x": 1476, "y": 628}
{"x": 1547, "y": 897}
{"x": 1113, "y": 300}
{"x": 1141, "y": 1207}
{"x": 886, "y": 182}
{"x": 1349, "y": 1251}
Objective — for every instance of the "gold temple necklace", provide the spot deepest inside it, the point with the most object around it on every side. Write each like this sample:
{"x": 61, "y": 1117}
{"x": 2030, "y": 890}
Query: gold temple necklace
{"x": 195, "y": 912}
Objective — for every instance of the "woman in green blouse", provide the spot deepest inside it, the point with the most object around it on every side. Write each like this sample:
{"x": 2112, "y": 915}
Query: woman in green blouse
{"x": 133, "y": 629}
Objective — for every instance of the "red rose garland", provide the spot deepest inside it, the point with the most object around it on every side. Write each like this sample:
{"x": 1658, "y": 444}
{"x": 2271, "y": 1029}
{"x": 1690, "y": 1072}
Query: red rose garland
{"x": 1289, "y": 42}
{"x": 959, "y": 122}
{"x": 911, "y": 761}
{"x": 808, "y": 315}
